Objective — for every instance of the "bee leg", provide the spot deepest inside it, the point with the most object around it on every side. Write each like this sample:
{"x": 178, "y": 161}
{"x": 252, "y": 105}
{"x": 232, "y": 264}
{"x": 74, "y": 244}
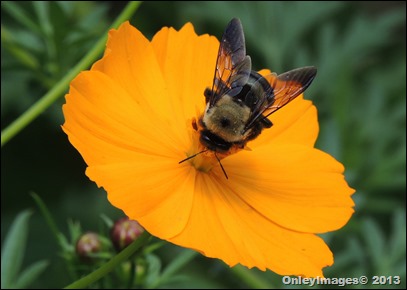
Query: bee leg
{"x": 266, "y": 123}
{"x": 207, "y": 94}
{"x": 194, "y": 124}
{"x": 258, "y": 127}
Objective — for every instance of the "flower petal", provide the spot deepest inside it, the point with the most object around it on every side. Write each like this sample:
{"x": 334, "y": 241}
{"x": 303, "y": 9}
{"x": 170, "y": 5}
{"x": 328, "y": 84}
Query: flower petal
{"x": 129, "y": 61}
{"x": 106, "y": 124}
{"x": 294, "y": 123}
{"x": 187, "y": 62}
{"x": 132, "y": 63}
{"x": 222, "y": 225}
{"x": 295, "y": 186}
{"x": 161, "y": 203}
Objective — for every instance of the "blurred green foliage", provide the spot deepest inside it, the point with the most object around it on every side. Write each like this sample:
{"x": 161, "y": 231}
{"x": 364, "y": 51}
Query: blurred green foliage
{"x": 12, "y": 255}
{"x": 359, "y": 49}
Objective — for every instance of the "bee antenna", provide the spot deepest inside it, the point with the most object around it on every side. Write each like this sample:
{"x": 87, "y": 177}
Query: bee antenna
{"x": 192, "y": 156}
{"x": 221, "y": 166}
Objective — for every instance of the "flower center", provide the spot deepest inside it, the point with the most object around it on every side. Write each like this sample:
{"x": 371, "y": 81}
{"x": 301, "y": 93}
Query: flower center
{"x": 204, "y": 159}
{"x": 200, "y": 157}
{"x": 204, "y": 162}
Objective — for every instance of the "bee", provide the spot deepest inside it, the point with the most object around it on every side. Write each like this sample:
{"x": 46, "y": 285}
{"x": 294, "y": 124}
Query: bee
{"x": 241, "y": 99}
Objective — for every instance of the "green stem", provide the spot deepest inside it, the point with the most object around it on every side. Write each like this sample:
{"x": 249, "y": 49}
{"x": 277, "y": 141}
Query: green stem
{"x": 112, "y": 264}
{"x": 250, "y": 278}
{"x": 52, "y": 95}
{"x": 130, "y": 282}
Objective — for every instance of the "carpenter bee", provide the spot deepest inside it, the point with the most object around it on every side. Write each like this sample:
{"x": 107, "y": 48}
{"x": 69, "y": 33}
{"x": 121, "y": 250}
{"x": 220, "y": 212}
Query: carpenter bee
{"x": 241, "y": 99}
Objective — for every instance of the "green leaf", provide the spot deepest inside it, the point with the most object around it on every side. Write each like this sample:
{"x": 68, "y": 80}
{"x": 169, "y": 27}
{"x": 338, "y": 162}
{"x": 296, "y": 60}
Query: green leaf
{"x": 375, "y": 241}
{"x": 47, "y": 214}
{"x": 22, "y": 55}
{"x": 153, "y": 271}
{"x": 151, "y": 248}
{"x": 17, "y": 12}
{"x": 180, "y": 261}
{"x": 397, "y": 241}
{"x": 251, "y": 278}
{"x": 30, "y": 274}
{"x": 12, "y": 253}
{"x": 107, "y": 221}
{"x": 41, "y": 9}
{"x": 75, "y": 231}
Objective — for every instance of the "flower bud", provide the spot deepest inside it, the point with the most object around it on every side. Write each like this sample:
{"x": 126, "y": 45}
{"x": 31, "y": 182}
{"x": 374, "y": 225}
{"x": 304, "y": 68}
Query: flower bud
{"x": 87, "y": 244}
{"x": 124, "y": 232}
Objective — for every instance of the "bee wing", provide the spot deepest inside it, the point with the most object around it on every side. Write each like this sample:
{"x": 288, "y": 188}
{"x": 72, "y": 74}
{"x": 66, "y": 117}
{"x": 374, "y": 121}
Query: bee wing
{"x": 283, "y": 89}
{"x": 233, "y": 66}
{"x": 289, "y": 85}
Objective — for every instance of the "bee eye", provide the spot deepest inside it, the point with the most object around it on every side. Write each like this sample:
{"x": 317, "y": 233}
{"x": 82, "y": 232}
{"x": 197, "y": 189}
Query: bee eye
{"x": 224, "y": 122}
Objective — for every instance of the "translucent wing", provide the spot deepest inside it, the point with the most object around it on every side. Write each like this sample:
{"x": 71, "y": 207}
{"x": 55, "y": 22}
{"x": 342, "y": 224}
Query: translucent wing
{"x": 282, "y": 90}
{"x": 233, "y": 66}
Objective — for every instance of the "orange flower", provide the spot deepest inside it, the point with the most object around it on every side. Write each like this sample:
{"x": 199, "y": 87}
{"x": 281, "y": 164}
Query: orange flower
{"x": 130, "y": 118}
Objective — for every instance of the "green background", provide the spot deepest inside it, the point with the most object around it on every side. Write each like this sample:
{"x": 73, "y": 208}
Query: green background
{"x": 359, "y": 49}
